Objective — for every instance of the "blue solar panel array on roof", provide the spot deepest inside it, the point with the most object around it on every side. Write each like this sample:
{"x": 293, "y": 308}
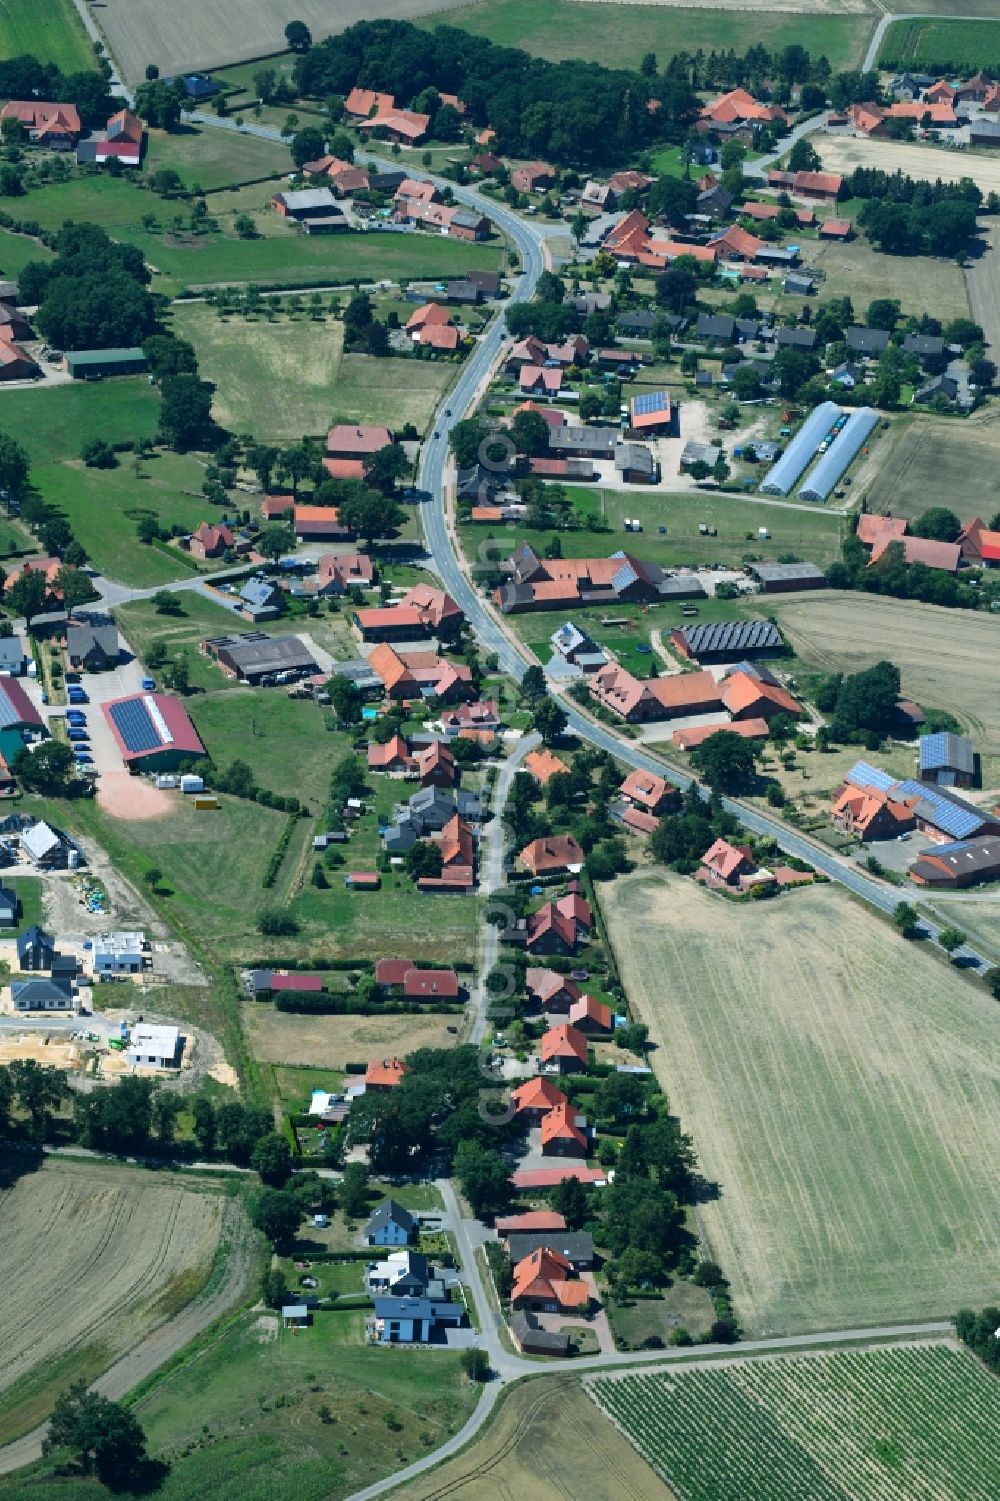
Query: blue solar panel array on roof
{"x": 650, "y": 401}
{"x": 863, "y": 774}
{"x": 9, "y": 716}
{"x": 943, "y": 750}
{"x": 732, "y": 637}
{"x": 135, "y": 725}
{"x": 948, "y": 813}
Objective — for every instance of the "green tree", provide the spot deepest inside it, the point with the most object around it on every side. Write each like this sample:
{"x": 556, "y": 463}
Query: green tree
{"x": 571, "y": 1199}
{"x": 204, "y": 1125}
{"x": 484, "y": 1178}
{"x": 727, "y": 762}
{"x": 28, "y": 593}
{"x": 185, "y": 411}
{"x": 167, "y": 1106}
{"x": 75, "y": 587}
{"x": 276, "y": 539}
{"x": 277, "y": 1214}
{"x": 307, "y": 145}
{"x": 166, "y": 603}
{"x": 245, "y": 227}
{"x": 466, "y": 439}
{"x": 423, "y": 859}
{"x": 14, "y": 467}
{"x": 475, "y": 1364}
{"x": 906, "y": 919}
{"x": 370, "y": 514}
{"x": 550, "y": 720}
{"x": 951, "y": 939}
{"x": 298, "y": 36}
{"x": 354, "y": 1191}
{"x": 386, "y": 467}
{"x": 38, "y": 1091}
{"x": 939, "y": 523}
{"x": 274, "y": 1288}
{"x": 272, "y": 1159}
{"x": 105, "y": 1439}
{"x": 529, "y": 432}
{"x": 48, "y": 769}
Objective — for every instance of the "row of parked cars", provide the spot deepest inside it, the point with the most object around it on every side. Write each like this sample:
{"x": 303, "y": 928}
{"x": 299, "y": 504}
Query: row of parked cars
{"x": 76, "y": 720}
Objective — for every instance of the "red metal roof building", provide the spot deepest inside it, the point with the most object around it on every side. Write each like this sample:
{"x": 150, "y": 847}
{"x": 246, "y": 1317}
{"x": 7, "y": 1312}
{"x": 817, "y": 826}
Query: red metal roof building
{"x": 153, "y": 731}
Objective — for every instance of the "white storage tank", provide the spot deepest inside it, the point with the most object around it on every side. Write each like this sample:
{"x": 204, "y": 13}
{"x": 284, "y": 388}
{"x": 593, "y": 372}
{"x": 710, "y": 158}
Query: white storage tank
{"x": 191, "y": 783}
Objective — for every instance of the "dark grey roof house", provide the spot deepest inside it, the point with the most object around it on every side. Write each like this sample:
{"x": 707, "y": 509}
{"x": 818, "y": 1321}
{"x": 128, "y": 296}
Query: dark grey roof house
{"x": 35, "y": 949}
{"x": 923, "y": 344}
{"x": 795, "y": 338}
{"x": 867, "y": 341}
{"x": 92, "y": 645}
{"x": 8, "y": 907}
{"x": 42, "y": 994}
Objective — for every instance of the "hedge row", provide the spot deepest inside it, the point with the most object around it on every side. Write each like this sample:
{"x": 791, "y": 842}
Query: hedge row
{"x": 278, "y": 854}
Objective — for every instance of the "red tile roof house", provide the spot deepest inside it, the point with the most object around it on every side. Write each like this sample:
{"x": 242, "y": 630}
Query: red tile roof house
{"x": 535, "y": 1098}
{"x": 591, "y": 1017}
{"x": 565, "y": 1047}
{"x": 361, "y": 104}
{"x": 438, "y": 611}
{"x": 638, "y": 822}
{"x": 747, "y": 729}
{"x": 537, "y": 379}
{"x": 564, "y": 1132}
{"x": 392, "y": 972}
{"x": 533, "y": 177}
{"x": 543, "y": 857}
{"x": 316, "y": 523}
{"x": 387, "y": 623}
{"x": 869, "y": 813}
{"x": 943, "y": 555}
{"x": 45, "y": 124}
{"x": 639, "y": 701}
{"x": 385, "y": 1073}
{"x": 978, "y": 544}
{"x": 481, "y": 715}
{"x": 653, "y": 794}
{"x": 558, "y": 927}
{"x": 747, "y": 697}
{"x": 276, "y": 507}
{"x": 423, "y": 319}
{"x": 336, "y": 572}
{"x": 346, "y": 441}
{"x": 550, "y": 990}
{"x": 544, "y": 1282}
{"x": 726, "y": 863}
{"x": 436, "y": 766}
{"x": 393, "y": 758}
{"x": 211, "y": 541}
{"x": 529, "y": 1221}
{"x": 407, "y": 126}
{"x": 457, "y": 846}
{"x": 739, "y": 106}
{"x": 430, "y": 985}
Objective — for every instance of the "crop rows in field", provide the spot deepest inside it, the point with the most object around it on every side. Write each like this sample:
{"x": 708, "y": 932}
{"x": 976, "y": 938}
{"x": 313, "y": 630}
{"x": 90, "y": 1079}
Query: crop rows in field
{"x": 907, "y": 1423}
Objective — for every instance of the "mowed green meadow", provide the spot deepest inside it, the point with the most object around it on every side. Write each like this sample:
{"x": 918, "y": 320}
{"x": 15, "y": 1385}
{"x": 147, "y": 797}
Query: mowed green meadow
{"x": 50, "y": 30}
{"x": 620, "y": 35}
{"x": 843, "y": 1090}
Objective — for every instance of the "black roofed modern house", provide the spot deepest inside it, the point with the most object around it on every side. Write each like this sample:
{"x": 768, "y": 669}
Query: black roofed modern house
{"x": 256, "y": 655}
{"x": 947, "y": 760}
{"x": 43, "y": 994}
{"x": 867, "y": 341}
{"x": 8, "y": 907}
{"x": 923, "y": 345}
{"x": 795, "y": 338}
{"x": 92, "y": 645}
{"x": 153, "y": 731}
{"x": 35, "y": 949}
{"x": 727, "y": 641}
{"x": 531, "y": 1339}
{"x": 95, "y": 364}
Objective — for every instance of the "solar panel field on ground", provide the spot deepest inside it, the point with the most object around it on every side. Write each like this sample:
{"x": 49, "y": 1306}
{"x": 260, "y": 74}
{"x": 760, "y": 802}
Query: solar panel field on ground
{"x": 883, "y": 1425}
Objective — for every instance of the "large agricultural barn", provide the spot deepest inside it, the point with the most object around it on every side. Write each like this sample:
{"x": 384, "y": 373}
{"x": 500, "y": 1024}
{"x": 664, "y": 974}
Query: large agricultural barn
{"x": 152, "y": 731}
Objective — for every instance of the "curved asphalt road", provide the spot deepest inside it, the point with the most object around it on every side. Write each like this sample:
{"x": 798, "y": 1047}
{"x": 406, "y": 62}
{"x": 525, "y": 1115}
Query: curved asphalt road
{"x": 512, "y": 657}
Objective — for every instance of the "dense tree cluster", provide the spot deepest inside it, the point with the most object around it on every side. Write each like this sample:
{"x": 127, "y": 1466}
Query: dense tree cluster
{"x": 92, "y": 295}
{"x": 979, "y": 1332}
{"x": 27, "y": 78}
{"x": 903, "y": 215}
{"x": 567, "y": 112}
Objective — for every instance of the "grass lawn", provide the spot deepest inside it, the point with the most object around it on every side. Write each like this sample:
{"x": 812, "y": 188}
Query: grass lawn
{"x": 559, "y": 29}
{"x": 103, "y": 507}
{"x": 812, "y": 535}
{"x": 294, "y": 1086}
{"x": 141, "y": 626}
{"x": 242, "y": 1420}
{"x": 240, "y": 75}
{"x": 55, "y": 423}
{"x": 208, "y": 158}
{"x": 290, "y": 377}
{"x": 52, "y": 32}
{"x": 212, "y": 862}
{"x": 16, "y": 251}
{"x": 853, "y": 269}
{"x": 931, "y": 42}
{"x": 682, "y": 1306}
{"x": 283, "y": 256}
{"x": 841, "y": 1088}
{"x": 283, "y": 739}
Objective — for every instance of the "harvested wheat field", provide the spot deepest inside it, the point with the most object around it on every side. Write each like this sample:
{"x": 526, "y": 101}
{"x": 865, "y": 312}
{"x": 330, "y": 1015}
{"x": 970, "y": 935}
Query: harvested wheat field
{"x": 962, "y": 456}
{"x": 844, "y": 153}
{"x": 190, "y": 34}
{"x": 843, "y": 1090}
{"x": 547, "y": 1442}
{"x": 944, "y": 656}
{"x": 331, "y": 1041}
{"x": 103, "y": 1255}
